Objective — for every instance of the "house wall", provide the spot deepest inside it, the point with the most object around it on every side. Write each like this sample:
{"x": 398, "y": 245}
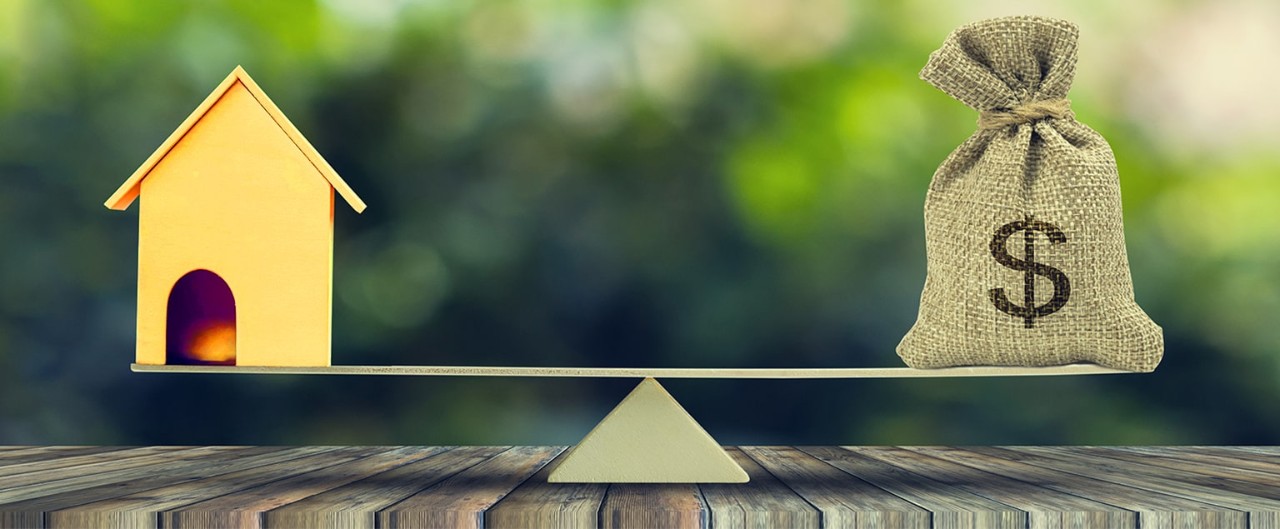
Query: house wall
{"x": 237, "y": 197}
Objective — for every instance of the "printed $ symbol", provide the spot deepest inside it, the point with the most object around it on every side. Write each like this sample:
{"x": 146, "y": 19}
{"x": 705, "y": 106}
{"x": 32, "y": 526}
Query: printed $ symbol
{"x": 1028, "y": 311}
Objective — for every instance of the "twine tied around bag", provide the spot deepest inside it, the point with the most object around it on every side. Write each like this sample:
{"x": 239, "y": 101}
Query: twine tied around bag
{"x": 1025, "y": 113}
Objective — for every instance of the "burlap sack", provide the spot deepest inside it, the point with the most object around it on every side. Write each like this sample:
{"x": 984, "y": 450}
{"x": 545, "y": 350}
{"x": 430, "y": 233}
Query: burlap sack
{"x": 1023, "y": 232}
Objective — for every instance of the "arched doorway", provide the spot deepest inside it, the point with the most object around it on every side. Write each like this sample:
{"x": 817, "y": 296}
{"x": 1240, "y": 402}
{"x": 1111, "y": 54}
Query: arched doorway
{"x": 201, "y": 325}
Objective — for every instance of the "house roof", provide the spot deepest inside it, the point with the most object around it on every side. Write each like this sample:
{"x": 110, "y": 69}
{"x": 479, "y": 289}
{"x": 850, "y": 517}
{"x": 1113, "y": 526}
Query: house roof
{"x": 125, "y": 195}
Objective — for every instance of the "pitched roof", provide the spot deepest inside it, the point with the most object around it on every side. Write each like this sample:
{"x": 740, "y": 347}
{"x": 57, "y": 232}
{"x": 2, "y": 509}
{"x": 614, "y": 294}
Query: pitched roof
{"x": 128, "y": 191}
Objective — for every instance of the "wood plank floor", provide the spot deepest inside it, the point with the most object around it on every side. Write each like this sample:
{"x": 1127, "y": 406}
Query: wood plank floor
{"x": 803, "y": 487}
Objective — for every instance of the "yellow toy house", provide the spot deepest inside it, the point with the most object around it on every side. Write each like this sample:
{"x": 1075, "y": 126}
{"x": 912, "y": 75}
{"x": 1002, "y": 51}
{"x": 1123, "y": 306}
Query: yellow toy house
{"x": 235, "y": 237}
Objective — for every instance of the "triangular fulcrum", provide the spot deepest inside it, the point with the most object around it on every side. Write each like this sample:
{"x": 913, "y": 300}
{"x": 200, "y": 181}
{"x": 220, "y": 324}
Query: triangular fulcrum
{"x": 648, "y": 438}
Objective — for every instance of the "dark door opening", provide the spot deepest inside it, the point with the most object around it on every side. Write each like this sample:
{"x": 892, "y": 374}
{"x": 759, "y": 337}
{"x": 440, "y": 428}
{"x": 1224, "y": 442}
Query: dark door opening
{"x": 201, "y": 327}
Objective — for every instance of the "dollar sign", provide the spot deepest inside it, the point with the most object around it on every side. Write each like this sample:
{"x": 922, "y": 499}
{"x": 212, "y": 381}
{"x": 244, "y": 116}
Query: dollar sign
{"x": 1061, "y": 285}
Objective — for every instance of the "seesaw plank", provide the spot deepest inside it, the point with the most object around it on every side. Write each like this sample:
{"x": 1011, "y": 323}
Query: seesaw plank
{"x": 643, "y": 372}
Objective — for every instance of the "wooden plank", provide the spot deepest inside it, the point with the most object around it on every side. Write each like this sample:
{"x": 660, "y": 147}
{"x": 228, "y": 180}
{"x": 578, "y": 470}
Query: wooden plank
{"x": 843, "y": 500}
{"x": 356, "y": 505}
{"x": 1184, "y": 466}
{"x": 57, "y": 449}
{"x": 952, "y": 508}
{"x": 1046, "y": 508}
{"x": 1262, "y": 510}
{"x": 643, "y": 372}
{"x": 142, "y": 509}
{"x": 1255, "y": 461}
{"x": 537, "y": 503}
{"x": 30, "y": 512}
{"x": 668, "y": 505}
{"x": 1260, "y": 453}
{"x": 461, "y": 500}
{"x": 34, "y": 485}
{"x": 762, "y": 503}
{"x": 45, "y": 465}
{"x": 1156, "y": 508}
{"x": 1267, "y": 450}
{"x": 45, "y": 453}
{"x": 1194, "y": 460}
{"x": 1053, "y": 487}
{"x": 14, "y": 450}
{"x": 245, "y": 508}
{"x": 1164, "y": 480}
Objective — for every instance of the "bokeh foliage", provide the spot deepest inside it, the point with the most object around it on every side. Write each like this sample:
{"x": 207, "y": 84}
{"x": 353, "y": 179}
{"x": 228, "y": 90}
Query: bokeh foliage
{"x": 665, "y": 183}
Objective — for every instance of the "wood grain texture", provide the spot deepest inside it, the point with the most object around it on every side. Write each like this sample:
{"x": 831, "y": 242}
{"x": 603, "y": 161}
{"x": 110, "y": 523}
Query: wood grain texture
{"x": 37, "y": 484}
{"x": 1273, "y": 451}
{"x": 805, "y": 487}
{"x": 143, "y": 508}
{"x": 1219, "y": 456}
{"x": 1046, "y": 508}
{"x": 1140, "y": 475}
{"x": 951, "y": 509}
{"x": 843, "y": 500}
{"x": 674, "y": 505}
{"x": 31, "y": 512}
{"x": 37, "y": 453}
{"x": 461, "y": 500}
{"x": 761, "y": 503}
{"x": 1230, "y": 495}
{"x": 244, "y": 508}
{"x": 355, "y": 506}
{"x": 641, "y": 372}
{"x": 1186, "y": 469}
{"x": 537, "y": 503}
{"x": 1156, "y": 509}
{"x": 89, "y": 459}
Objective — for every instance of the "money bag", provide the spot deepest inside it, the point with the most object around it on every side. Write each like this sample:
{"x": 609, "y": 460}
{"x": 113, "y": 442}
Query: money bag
{"x": 1023, "y": 230}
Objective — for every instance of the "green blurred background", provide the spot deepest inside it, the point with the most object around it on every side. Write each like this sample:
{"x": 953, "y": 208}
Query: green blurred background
{"x": 708, "y": 183}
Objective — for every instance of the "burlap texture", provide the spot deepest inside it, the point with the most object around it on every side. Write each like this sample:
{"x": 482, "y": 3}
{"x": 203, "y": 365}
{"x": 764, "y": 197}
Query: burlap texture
{"x": 1029, "y": 170}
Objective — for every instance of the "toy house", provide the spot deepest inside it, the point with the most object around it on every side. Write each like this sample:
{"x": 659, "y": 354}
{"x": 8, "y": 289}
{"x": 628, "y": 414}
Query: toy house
{"x": 235, "y": 237}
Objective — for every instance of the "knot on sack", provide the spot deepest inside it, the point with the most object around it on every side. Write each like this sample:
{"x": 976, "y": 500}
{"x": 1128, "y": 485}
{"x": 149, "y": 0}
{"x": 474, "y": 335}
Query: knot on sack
{"x": 1025, "y": 113}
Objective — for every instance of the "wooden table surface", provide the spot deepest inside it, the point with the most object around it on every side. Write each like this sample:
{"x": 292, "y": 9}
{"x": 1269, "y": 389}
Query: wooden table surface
{"x": 1051, "y": 487}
